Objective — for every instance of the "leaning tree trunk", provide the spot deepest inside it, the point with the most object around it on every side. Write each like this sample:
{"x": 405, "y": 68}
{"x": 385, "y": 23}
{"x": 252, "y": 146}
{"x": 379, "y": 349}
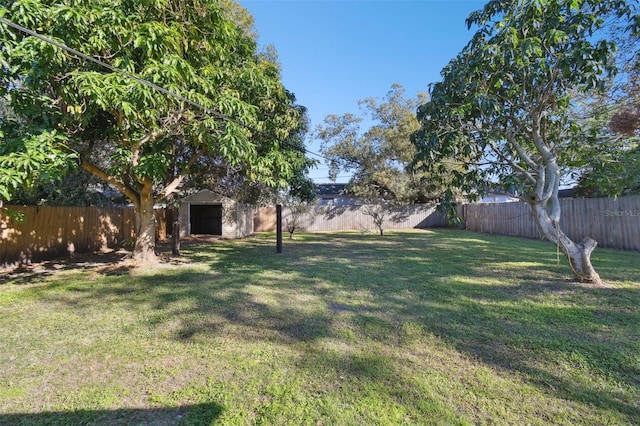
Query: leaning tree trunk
{"x": 579, "y": 254}
{"x": 144, "y": 249}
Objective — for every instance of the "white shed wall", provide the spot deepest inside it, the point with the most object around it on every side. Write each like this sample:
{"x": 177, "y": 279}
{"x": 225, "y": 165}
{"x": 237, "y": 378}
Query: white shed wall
{"x": 237, "y": 218}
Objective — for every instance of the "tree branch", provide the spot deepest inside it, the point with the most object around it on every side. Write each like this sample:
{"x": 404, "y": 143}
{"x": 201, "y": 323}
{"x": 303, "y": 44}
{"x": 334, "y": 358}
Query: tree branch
{"x": 520, "y": 150}
{"x": 513, "y": 164}
{"x": 177, "y": 181}
{"x": 129, "y": 192}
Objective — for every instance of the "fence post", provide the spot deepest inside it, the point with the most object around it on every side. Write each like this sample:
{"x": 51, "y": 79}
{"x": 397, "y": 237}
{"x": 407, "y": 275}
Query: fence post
{"x": 175, "y": 232}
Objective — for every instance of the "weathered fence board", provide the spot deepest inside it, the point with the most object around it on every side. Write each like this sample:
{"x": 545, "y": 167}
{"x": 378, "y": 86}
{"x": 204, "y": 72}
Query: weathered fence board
{"x": 48, "y": 232}
{"x": 612, "y": 222}
{"x": 264, "y": 219}
{"x": 346, "y": 218}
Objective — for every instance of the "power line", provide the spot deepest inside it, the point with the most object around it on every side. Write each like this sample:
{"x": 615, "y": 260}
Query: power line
{"x": 316, "y": 154}
{"x": 147, "y": 83}
{"x": 152, "y": 85}
{"x": 118, "y": 71}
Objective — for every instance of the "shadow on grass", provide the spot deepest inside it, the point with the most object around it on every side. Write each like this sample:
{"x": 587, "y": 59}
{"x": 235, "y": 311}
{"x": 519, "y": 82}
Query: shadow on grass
{"x": 500, "y": 300}
{"x": 451, "y": 287}
{"x": 199, "y": 414}
{"x": 109, "y": 262}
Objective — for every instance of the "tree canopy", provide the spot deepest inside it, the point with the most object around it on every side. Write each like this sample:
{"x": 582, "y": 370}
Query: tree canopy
{"x": 222, "y": 101}
{"x": 613, "y": 166}
{"x": 379, "y": 157}
{"x": 503, "y": 103}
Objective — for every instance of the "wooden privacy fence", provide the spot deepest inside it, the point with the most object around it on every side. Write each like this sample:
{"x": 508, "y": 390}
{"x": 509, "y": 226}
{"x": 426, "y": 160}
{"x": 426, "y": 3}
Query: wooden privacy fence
{"x": 612, "y": 222}
{"x": 48, "y": 232}
{"x": 345, "y": 218}
{"x": 51, "y": 231}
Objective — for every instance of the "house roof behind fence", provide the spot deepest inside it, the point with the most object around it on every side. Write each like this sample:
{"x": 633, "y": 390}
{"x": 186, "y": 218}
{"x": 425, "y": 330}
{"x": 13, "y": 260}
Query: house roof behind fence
{"x": 331, "y": 189}
{"x": 567, "y": 193}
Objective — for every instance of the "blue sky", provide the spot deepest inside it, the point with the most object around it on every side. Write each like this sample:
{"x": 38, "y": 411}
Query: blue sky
{"x": 335, "y": 52}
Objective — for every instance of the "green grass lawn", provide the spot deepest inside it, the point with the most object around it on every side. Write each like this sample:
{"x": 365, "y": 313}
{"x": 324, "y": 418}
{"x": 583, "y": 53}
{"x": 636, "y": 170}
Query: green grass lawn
{"x": 416, "y": 327}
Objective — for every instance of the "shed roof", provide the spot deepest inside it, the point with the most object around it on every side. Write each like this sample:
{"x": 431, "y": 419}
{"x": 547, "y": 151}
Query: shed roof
{"x": 204, "y": 193}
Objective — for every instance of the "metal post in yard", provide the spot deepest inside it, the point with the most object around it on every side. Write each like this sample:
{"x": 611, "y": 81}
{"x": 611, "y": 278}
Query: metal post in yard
{"x": 278, "y": 228}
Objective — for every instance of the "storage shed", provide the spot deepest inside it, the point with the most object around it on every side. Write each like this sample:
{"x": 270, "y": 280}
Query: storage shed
{"x": 209, "y": 213}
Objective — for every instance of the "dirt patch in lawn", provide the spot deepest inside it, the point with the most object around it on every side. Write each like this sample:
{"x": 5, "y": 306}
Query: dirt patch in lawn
{"x": 108, "y": 262}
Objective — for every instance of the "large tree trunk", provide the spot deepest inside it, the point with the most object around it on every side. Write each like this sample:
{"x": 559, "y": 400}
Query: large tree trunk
{"x": 144, "y": 250}
{"x": 143, "y": 200}
{"x": 579, "y": 254}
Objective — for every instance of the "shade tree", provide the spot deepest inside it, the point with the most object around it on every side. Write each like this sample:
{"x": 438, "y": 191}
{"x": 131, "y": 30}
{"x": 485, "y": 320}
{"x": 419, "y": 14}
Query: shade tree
{"x": 223, "y": 102}
{"x": 613, "y": 166}
{"x": 375, "y": 146}
{"x": 504, "y": 101}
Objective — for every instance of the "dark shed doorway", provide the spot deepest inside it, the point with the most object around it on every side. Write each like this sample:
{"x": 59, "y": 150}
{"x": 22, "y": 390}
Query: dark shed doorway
{"x": 206, "y": 219}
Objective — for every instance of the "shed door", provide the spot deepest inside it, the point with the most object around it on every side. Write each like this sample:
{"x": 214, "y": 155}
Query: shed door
{"x": 206, "y": 219}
